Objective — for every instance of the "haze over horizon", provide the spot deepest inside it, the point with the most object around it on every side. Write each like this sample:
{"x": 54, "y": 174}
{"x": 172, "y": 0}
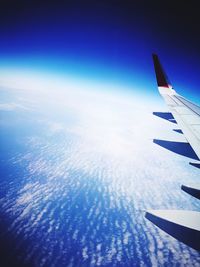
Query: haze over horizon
{"x": 104, "y": 40}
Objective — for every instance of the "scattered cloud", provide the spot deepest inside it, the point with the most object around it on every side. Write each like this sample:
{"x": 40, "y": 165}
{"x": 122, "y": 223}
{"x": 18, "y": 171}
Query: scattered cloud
{"x": 12, "y": 106}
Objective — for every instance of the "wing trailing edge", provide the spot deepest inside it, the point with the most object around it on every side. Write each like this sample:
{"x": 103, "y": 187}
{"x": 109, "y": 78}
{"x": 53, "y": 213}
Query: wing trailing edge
{"x": 183, "y": 225}
{"x": 186, "y": 114}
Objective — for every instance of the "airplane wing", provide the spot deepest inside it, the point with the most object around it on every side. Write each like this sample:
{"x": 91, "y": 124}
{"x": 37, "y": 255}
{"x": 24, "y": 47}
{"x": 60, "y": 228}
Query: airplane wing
{"x": 182, "y": 225}
{"x": 186, "y": 114}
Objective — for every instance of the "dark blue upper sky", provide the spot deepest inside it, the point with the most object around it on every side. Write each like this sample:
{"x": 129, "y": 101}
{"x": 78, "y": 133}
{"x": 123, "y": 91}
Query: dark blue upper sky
{"x": 111, "y": 40}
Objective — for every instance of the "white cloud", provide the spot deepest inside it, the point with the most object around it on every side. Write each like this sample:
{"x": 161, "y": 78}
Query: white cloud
{"x": 106, "y": 140}
{"x": 12, "y": 106}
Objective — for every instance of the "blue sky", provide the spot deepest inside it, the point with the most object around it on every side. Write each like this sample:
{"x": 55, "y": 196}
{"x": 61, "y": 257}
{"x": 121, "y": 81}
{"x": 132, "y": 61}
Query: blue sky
{"x": 103, "y": 40}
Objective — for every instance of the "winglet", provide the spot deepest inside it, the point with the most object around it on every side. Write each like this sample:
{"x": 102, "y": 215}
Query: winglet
{"x": 162, "y": 79}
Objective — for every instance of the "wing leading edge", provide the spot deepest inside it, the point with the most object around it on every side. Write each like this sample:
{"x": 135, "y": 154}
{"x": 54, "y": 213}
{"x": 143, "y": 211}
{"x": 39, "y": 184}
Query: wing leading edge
{"x": 183, "y": 225}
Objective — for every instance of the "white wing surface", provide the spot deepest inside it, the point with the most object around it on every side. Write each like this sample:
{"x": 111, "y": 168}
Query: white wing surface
{"x": 186, "y": 114}
{"x": 182, "y": 225}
